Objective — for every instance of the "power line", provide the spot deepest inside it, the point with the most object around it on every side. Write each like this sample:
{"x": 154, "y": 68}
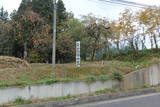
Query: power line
{"x": 122, "y": 3}
{"x": 106, "y": 2}
{"x": 133, "y": 3}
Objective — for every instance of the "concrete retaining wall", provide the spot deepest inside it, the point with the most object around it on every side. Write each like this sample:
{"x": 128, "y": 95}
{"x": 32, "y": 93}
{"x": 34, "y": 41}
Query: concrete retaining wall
{"x": 91, "y": 99}
{"x": 53, "y": 90}
{"x": 148, "y": 76}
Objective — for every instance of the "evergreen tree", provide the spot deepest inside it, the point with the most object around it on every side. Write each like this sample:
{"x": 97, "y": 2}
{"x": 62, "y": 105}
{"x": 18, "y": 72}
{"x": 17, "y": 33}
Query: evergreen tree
{"x": 3, "y": 15}
{"x": 26, "y": 25}
{"x": 61, "y": 12}
{"x": 45, "y": 9}
{"x": 23, "y": 6}
{"x": 4, "y": 33}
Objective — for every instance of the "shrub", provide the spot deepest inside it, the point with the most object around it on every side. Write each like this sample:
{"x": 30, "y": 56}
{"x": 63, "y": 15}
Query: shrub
{"x": 117, "y": 75}
{"x": 34, "y": 57}
{"x": 103, "y": 77}
{"x": 67, "y": 79}
{"x": 19, "y": 101}
{"x": 47, "y": 81}
{"x": 50, "y": 81}
{"x": 91, "y": 78}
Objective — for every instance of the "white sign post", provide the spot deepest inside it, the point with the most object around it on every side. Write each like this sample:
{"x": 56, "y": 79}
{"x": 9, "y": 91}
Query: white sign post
{"x": 78, "y": 55}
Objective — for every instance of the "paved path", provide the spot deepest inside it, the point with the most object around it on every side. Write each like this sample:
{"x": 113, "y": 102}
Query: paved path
{"x": 151, "y": 100}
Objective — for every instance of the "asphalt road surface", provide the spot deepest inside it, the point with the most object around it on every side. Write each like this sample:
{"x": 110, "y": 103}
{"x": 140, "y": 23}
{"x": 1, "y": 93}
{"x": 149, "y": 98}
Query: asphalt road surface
{"x": 151, "y": 100}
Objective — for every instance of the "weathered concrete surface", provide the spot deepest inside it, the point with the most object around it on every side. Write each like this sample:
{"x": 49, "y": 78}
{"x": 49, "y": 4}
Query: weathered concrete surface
{"x": 105, "y": 97}
{"x": 148, "y": 76}
{"x": 54, "y": 90}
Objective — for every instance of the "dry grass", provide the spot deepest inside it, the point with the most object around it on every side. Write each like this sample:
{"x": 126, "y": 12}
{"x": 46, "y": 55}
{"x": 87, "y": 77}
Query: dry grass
{"x": 11, "y": 67}
{"x": 91, "y": 68}
{"x": 12, "y": 62}
{"x": 42, "y": 73}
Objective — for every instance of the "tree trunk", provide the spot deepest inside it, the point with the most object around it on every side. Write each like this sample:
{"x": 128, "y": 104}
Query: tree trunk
{"x": 93, "y": 54}
{"x": 25, "y": 51}
{"x": 136, "y": 46}
{"x": 84, "y": 57}
{"x": 155, "y": 41}
{"x": 117, "y": 43}
{"x": 143, "y": 42}
{"x": 151, "y": 40}
{"x": 136, "y": 40}
{"x": 132, "y": 44}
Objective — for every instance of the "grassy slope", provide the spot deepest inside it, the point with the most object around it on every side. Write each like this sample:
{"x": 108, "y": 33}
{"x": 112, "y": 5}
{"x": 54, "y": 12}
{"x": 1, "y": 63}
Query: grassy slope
{"x": 42, "y": 73}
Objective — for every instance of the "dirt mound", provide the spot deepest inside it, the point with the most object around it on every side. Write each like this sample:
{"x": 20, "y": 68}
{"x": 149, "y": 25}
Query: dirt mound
{"x": 13, "y": 62}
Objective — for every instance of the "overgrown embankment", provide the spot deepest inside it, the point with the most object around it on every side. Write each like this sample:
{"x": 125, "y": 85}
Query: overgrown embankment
{"x": 13, "y": 71}
{"x": 139, "y": 59}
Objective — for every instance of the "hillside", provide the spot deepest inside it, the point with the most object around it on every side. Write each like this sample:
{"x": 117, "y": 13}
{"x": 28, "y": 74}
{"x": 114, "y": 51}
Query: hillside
{"x": 113, "y": 68}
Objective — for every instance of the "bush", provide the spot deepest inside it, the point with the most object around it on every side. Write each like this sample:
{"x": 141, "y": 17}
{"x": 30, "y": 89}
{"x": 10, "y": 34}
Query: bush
{"x": 67, "y": 79}
{"x": 91, "y": 78}
{"x": 117, "y": 75}
{"x": 131, "y": 55}
{"x": 47, "y": 81}
{"x": 34, "y": 57}
{"x": 103, "y": 77}
{"x": 19, "y": 101}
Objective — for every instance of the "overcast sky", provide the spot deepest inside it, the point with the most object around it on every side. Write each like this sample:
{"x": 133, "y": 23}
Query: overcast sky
{"x": 84, "y": 7}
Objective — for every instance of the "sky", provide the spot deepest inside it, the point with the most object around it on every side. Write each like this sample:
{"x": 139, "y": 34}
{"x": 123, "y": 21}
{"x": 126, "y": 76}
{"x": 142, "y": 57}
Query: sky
{"x": 84, "y": 7}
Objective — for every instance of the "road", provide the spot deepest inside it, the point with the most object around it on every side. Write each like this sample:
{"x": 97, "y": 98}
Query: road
{"x": 151, "y": 100}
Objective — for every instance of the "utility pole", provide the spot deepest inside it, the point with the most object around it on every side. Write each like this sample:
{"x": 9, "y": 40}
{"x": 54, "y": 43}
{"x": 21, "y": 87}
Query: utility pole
{"x": 54, "y": 36}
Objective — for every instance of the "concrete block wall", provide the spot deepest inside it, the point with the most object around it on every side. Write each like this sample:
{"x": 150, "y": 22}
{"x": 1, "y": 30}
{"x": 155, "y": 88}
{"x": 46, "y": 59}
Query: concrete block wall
{"x": 147, "y": 76}
{"x": 54, "y": 90}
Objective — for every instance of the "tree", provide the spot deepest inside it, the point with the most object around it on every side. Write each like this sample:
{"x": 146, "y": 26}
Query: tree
{"x": 5, "y": 44}
{"x": 72, "y": 32}
{"x": 141, "y": 30}
{"x": 98, "y": 33}
{"x": 3, "y": 15}
{"x": 26, "y": 23}
{"x": 115, "y": 32}
{"x": 61, "y": 12}
{"x": 150, "y": 18}
{"x": 45, "y": 9}
{"x": 65, "y": 48}
{"x": 127, "y": 27}
{"x": 40, "y": 50}
{"x": 6, "y": 40}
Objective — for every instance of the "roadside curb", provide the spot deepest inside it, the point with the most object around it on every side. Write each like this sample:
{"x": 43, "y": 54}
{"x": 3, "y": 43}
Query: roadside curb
{"x": 103, "y": 97}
